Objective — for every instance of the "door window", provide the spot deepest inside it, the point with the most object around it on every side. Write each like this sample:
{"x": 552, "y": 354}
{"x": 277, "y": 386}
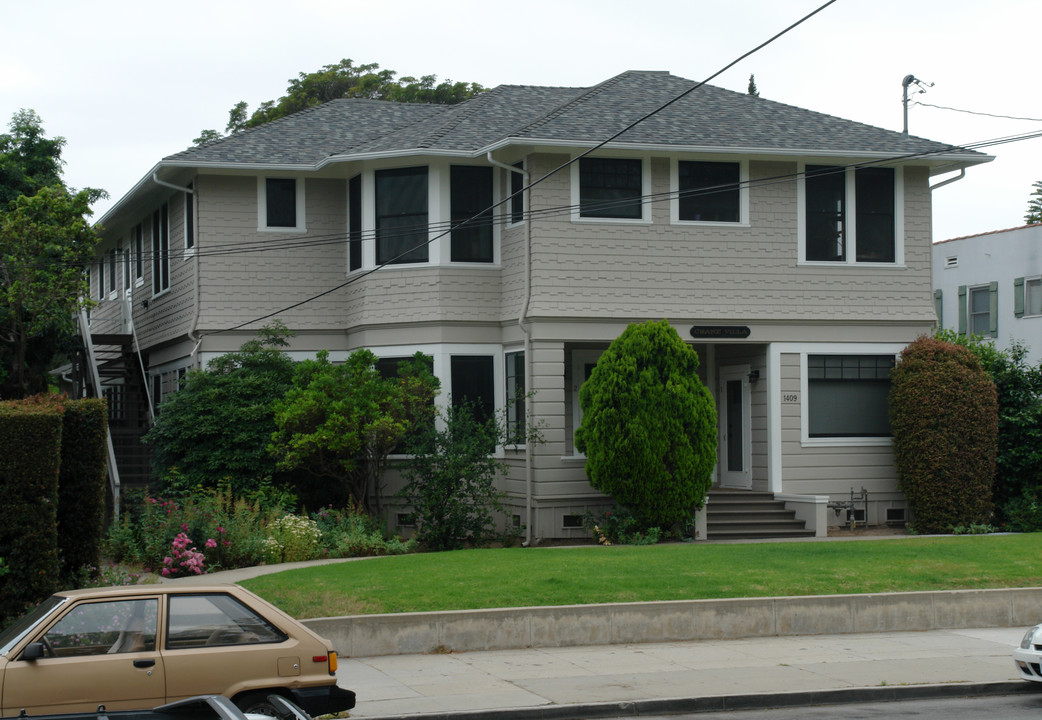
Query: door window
{"x": 120, "y": 626}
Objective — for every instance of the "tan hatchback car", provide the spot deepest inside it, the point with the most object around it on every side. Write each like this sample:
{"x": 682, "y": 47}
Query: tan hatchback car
{"x": 131, "y": 648}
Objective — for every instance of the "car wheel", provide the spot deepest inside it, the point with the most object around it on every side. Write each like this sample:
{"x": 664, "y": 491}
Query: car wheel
{"x": 257, "y": 704}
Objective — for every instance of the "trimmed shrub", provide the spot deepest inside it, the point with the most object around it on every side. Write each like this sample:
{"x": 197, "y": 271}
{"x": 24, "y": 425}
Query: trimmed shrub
{"x": 944, "y": 419}
{"x": 649, "y": 426}
{"x": 81, "y": 487}
{"x": 31, "y": 435}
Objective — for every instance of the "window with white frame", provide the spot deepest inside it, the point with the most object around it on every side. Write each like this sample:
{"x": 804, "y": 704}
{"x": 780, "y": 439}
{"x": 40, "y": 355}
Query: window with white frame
{"x": 189, "y": 220}
{"x": 138, "y": 235}
{"x": 1027, "y": 297}
{"x": 517, "y": 196}
{"x": 709, "y": 191}
{"x": 849, "y": 215}
{"x": 470, "y": 200}
{"x": 611, "y": 188}
{"x": 354, "y": 223}
{"x": 515, "y": 397}
{"x": 401, "y": 215}
{"x": 161, "y": 250}
{"x": 1033, "y": 296}
{"x": 847, "y": 395}
{"x": 280, "y": 203}
{"x": 113, "y": 272}
{"x": 101, "y": 278}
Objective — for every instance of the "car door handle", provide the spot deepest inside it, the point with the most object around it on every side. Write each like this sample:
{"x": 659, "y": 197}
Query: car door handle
{"x": 144, "y": 663}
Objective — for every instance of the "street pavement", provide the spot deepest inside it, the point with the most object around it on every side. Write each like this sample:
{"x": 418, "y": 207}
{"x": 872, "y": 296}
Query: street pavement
{"x": 566, "y": 683}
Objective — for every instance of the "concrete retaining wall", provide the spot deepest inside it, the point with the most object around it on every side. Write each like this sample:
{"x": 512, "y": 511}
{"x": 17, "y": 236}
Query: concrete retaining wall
{"x": 620, "y": 623}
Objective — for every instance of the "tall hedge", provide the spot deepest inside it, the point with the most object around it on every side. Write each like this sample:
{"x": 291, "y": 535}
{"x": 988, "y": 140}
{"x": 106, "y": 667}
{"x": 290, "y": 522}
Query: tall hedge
{"x": 31, "y": 436}
{"x": 81, "y": 485}
{"x": 649, "y": 426}
{"x": 944, "y": 419}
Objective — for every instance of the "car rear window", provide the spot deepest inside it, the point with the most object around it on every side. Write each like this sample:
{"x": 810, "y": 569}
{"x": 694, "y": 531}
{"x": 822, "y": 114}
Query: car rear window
{"x": 216, "y": 619}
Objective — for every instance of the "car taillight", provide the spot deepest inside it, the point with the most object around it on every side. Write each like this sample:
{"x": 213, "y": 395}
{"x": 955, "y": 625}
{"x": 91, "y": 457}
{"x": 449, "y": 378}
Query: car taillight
{"x": 330, "y": 659}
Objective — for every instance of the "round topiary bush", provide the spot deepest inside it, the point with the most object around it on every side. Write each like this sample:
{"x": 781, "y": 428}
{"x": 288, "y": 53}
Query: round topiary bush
{"x": 944, "y": 419}
{"x": 649, "y": 426}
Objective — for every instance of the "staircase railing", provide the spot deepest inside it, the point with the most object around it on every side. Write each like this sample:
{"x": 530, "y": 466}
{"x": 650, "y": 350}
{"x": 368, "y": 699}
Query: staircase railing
{"x": 95, "y": 376}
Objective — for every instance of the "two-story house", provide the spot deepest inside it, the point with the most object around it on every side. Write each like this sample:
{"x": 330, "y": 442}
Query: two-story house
{"x": 991, "y": 285}
{"x": 790, "y": 248}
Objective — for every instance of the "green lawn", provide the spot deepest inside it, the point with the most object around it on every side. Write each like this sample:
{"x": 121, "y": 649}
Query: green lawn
{"x": 511, "y": 577}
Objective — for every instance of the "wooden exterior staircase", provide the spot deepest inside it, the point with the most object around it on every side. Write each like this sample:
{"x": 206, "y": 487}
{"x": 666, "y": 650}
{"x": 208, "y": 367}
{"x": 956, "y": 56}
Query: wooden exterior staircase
{"x": 746, "y": 514}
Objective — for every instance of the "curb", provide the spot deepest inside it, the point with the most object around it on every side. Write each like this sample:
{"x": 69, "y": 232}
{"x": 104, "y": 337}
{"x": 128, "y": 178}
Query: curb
{"x": 730, "y": 703}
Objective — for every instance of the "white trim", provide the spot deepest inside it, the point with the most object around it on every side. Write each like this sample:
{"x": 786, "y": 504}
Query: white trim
{"x": 742, "y": 479}
{"x": 645, "y": 190}
{"x": 743, "y": 193}
{"x": 838, "y": 349}
{"x": 262, "y": 203}
{"x": 580, "y": 357}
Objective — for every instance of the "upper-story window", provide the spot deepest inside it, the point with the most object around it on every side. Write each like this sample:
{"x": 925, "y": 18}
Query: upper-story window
{"x": 113, "y": 272}
{"x": 354, "y": 223}
{"x": 850, "y": 215}
{"x": 401, "y": 216}
{"x": 709, "y": 191}
{"x": 138, "y": 235}
{"x": 101, "y": 278}
{"x": 978, "y": 310}
{"x": 161, "y": 250}
{"x": 471, "y": 200}
{"x": 517, "y": 197}
{"x": 1027, "y": 297}
{"x": 189, "y": 223}
{"x": 611, "y": 188}
{"x": 280, "y": 202}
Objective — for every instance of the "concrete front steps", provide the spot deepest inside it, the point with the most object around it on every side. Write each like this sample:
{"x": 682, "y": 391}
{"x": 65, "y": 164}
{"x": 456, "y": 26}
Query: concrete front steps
{"x": 745, "y": 514}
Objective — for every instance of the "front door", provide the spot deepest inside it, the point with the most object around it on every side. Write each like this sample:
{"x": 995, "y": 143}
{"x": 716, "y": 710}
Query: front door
{"x": 735, "y": 413}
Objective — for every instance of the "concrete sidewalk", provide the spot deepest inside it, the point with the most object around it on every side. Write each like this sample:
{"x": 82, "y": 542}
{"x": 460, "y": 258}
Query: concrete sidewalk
{"x": 663, "y": 678}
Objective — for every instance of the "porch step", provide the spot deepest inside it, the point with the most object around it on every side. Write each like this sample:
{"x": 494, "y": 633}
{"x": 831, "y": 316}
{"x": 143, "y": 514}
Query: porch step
{"x": 745, "y": 514}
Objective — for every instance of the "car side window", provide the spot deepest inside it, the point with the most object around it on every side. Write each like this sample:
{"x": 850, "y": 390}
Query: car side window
{"x": 216, "y": 619}
{"x": 118, "y": 626}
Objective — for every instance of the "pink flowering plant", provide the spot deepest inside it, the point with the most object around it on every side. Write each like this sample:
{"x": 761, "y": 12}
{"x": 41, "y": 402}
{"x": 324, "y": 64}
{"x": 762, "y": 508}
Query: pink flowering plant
{"x": 184, "y": 560}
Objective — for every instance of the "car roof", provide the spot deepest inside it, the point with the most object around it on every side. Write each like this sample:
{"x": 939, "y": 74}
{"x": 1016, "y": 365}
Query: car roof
{"x": 157, "y": 589}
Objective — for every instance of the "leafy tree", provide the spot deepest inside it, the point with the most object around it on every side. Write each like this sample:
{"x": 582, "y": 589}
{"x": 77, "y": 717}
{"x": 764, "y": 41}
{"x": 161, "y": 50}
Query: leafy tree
{"x": 649, "y": 426}
{"x": 1034, "y": 213}
{"x": 216, "y": 428}
{"x": 753, "y": 90}
{"x": 45, "y": 242}
{"x": 344, "y": 80}
{"x": 28, "y": 160}
{"x": 944, "y": 418}
{"x": 340, "y": 422}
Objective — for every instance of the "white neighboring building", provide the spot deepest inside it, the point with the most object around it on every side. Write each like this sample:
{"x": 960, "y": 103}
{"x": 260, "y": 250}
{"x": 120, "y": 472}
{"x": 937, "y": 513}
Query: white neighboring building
{"x": 991, "y": 285}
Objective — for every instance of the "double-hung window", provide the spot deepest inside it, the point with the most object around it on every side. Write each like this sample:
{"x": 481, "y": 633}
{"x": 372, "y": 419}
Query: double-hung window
{"x": 709, "y": 191}
{"x": 189, "y": 223}
{"x": 848, "y": 395}
{"x": 515, "y": 396}
{"x": 517, "y": 195}
{"x": 354, "y": 223}
{"x": 1027, "y": 297}
{"x": 611, "y": 188}
{"x": 161, "y": 250}
{"x": 471, "y": 203}
{"x": 113, "y": 272}
{"x": 850, "y": 215}
{"x": 401, "y": 216}
{"x": 978, "y": 310}
{"x": 139, "y": 253}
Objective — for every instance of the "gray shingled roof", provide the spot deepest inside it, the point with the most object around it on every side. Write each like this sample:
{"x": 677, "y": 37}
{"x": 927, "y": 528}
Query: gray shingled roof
{"x": 708, "y": 117}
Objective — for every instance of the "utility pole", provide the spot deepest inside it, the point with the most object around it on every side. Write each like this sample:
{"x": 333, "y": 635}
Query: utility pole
{"x": 908, "y": 80}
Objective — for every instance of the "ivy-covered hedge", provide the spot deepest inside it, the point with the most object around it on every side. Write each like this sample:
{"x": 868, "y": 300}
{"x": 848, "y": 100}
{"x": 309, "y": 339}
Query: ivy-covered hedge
{"x": 944, "y": 419}
{"x": 31, "y": 436}
{"x": 81, "y": 485}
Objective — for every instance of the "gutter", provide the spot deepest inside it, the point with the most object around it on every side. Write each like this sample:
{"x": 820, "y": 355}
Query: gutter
{"x": 521, "y": 320}
{"x": 949, "y": 181}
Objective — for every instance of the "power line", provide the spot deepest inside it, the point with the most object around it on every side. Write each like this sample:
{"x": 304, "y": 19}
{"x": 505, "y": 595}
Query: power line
{"x": 972, "y": 112}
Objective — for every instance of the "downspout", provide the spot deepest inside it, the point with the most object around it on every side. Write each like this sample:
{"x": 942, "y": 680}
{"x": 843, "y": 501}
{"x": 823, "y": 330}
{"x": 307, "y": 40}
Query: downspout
{"x": 522, "y": 318}
{"x": 960, "y": 176}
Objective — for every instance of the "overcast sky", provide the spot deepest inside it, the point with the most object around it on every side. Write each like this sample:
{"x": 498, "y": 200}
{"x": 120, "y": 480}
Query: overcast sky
{"x": 127, "y": 83}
